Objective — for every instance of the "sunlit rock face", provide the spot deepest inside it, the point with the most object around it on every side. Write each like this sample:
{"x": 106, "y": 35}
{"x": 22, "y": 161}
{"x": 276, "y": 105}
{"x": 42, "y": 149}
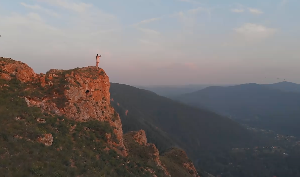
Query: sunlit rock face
{"x": 80, "y": 94}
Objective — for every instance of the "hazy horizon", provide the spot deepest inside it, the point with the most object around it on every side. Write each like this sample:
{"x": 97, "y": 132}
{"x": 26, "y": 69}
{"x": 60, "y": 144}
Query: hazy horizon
{"x": 155, "y": 42}
{"x": 197, "y": 85}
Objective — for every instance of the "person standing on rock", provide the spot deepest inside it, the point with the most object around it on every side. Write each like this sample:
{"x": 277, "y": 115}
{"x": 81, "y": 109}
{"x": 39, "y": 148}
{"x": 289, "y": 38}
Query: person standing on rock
{"x": 97, "y": 60}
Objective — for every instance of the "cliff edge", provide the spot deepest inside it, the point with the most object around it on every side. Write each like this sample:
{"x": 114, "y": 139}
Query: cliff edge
{"x": 69, "y": 112}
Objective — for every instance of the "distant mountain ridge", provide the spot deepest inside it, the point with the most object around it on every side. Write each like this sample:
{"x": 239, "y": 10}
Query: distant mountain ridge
{"x": 285, "y": 86}
{"x": 266, "y": 106}
{"x": 174, "y": 91}
{"x": 171, "y": 91}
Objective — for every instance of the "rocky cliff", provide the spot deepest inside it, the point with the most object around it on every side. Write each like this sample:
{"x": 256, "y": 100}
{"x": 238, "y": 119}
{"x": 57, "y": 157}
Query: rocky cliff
{"x": 80, "y": 94}
{"x": 71, "y": 105}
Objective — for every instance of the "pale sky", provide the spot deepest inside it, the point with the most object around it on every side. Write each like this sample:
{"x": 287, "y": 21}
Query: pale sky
{"x": 158, "y": 42}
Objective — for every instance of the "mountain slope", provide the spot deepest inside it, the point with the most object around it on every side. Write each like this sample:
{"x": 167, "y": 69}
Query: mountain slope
{"x": 188, "y": 126}
{"x": 205, "y": 136}
{"x": 254, "y": 104}
{"x": 62, "y": 124}
{"x": 217, "y": 145}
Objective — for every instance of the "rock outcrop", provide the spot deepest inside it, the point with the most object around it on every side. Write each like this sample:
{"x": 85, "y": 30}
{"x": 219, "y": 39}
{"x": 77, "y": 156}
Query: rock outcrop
{"x": 140, "y": 138}
{"x": 80, "y": 94}
{"x": 22, "y": 71}
{"x": 191, "y": 168}
{"x": 177, "y": 159}
{"x": 47, "y": 139}
{"x": 187, "y": 164}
